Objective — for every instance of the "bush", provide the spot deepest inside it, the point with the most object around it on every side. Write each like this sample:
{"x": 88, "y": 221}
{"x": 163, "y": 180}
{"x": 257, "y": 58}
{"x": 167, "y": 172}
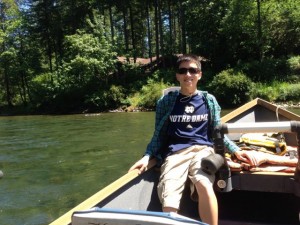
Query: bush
{"x": 289, "y": 92}
{"x": 167, "y": 75}
{"x": 231, "y": 88}
{"x": 294, "y": 65}
{"x": 149, "y": 94}
{"x": 276, "y": 91}
{"x": 264, "y": 91}
{"x": 106, "y": 99}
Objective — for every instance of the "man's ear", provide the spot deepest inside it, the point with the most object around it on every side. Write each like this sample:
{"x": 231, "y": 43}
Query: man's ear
{"x": 200, "y": 76}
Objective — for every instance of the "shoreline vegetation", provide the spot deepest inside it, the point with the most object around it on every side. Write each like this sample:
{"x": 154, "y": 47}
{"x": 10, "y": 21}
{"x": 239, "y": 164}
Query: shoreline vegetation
{"x": 291, "y": 105}
{"x": 130, "y": 109}
{"x": 98, "y": 56}
{"x": 285, "y": 105}
{"x": 136, "y": 87}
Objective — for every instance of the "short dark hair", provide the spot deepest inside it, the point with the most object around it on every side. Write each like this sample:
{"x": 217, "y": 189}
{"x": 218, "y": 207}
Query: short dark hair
{"x": 189, "y": 58}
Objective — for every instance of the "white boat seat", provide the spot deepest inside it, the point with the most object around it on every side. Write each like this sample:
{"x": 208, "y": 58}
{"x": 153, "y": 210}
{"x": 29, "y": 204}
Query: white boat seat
{"x": 167, "y": 90}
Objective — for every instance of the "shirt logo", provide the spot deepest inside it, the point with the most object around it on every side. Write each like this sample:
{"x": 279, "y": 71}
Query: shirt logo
{"x": 189, "y": 109}
{"x": 188, "y": 118}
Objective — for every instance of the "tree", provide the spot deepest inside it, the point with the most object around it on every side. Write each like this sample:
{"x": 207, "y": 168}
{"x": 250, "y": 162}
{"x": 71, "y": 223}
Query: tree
{"x": 203, "y": 30}
{"x": 89, "y": 57}
{"x": 280, "y": 24}
{"x": 47, "y": 45}
{"x": 10, "y": 22}
{"x": 239, "y": 30}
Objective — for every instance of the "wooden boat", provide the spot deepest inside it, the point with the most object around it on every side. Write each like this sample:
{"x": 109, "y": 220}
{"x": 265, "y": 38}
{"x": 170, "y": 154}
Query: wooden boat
{"x": 256, "y": 192}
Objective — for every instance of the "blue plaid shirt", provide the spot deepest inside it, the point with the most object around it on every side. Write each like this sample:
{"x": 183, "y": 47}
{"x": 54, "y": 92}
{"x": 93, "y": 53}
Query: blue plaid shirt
{"x": 164, "y": 108}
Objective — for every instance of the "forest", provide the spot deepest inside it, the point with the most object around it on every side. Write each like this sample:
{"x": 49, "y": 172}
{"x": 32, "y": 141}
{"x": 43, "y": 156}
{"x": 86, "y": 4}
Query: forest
{"x": 64, "y": 56}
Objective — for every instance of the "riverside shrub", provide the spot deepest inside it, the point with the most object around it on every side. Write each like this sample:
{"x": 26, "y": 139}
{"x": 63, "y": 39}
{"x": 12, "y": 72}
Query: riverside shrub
{"x": 231, "y": 88}
{"x": 294, "y": 65}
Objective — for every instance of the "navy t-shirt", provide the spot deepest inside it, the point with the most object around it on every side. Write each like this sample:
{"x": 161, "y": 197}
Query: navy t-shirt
{"x": 189, "y": 123}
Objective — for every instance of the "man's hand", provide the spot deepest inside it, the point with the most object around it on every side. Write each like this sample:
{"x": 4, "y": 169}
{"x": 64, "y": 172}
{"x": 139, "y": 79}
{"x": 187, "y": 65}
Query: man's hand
{"x": 141, "y": 165}
{"x": 247, "y": 156}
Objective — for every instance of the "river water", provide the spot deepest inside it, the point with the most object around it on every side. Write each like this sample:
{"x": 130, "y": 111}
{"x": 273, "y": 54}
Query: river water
{"x": 52, "y": 163}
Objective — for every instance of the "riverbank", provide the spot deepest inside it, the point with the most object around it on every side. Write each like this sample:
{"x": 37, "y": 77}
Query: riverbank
{"x": 285, "y": 105}
{"x": 23, "y": 111}
{"x": 294, "y": 105}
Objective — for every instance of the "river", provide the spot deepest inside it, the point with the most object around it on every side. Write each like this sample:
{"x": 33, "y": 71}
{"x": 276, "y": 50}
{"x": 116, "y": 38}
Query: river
{"x": 52, "y": 163}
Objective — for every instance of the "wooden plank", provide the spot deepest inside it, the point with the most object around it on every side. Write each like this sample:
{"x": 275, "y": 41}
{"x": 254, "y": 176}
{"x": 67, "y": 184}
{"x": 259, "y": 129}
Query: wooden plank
{"x": 281, "y": 111}
{"x": 239, "y": 111}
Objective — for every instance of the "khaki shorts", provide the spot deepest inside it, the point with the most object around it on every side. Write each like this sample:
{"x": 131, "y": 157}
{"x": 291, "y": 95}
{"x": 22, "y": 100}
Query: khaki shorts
{"x": 176, "y": 169}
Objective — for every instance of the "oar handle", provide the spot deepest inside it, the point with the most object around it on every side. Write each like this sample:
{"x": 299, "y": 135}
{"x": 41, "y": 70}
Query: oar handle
{"x": 259, "y": 127}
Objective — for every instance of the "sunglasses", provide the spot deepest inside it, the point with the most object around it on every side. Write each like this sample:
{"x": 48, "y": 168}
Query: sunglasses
{"x": 191, "y": 70}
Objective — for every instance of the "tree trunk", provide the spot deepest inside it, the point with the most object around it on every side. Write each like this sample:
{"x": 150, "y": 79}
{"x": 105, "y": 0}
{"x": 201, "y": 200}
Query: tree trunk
{"x": 125, "y": 31}
{"x": 132, "y": 34}
{"x": 112, "y": 31}
{"x": 161, "y": 34}
{"x": 156, "y": 21}
{"x": 149, "y": 31}
{"x": 7, "y": 87}
{"x": 259, "y": 31}
{"x": 170, "y": 28}
{"x": 183, "y": 28}
{"x": 22, "y": 73}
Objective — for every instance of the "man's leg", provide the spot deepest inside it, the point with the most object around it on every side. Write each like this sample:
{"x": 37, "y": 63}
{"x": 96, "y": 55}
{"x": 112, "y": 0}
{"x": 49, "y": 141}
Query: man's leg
{"x": 170, "y": 209}
{"x": 208, "y": 204}
{"x": 174, "y": 172}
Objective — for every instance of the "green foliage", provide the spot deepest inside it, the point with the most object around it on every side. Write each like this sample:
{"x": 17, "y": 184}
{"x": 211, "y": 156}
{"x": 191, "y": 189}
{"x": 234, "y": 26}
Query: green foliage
{"x": 231, "y": 88}
{"x": 167, "y": 75}
{"x": 43, "y": 89}
{"x": 131, "y": 76}
{"x": 10, "y": 20}
{"x": 265, "y": 71}
{"x": 149, "y": 94}
{"x": 289, "y": 93}
{"x": 238, "y": 29}
{"x": 264, "y": 91}
{"x": 204, "y": 19}
{"x": 276, "y": 91}
{"x": 89, "y": 55}
{"x": 294, "y": 65}
{"x": 61, "y": 55}
{"x": 105, "y": 99}
{"x": 281, "y": 22}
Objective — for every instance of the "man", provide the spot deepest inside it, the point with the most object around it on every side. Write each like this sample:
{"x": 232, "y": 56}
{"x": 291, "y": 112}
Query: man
{"x": 183, "y": 137}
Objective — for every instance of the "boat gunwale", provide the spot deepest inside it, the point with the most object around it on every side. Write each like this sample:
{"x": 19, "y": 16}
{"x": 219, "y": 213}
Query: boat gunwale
{"x": 259, "y": 101}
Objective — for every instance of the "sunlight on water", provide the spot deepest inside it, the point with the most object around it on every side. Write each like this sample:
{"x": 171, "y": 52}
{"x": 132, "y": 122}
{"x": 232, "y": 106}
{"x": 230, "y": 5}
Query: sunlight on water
{"x": 52, "y": 163}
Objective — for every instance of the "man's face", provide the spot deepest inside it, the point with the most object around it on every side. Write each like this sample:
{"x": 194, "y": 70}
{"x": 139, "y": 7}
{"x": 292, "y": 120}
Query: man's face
{"x": 188, "y": 75}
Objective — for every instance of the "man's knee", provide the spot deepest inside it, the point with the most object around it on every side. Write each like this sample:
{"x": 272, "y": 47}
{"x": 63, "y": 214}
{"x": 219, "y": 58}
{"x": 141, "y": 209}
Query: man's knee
{"x": 170, "y": 209}
{"x": 204, "y": 186}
